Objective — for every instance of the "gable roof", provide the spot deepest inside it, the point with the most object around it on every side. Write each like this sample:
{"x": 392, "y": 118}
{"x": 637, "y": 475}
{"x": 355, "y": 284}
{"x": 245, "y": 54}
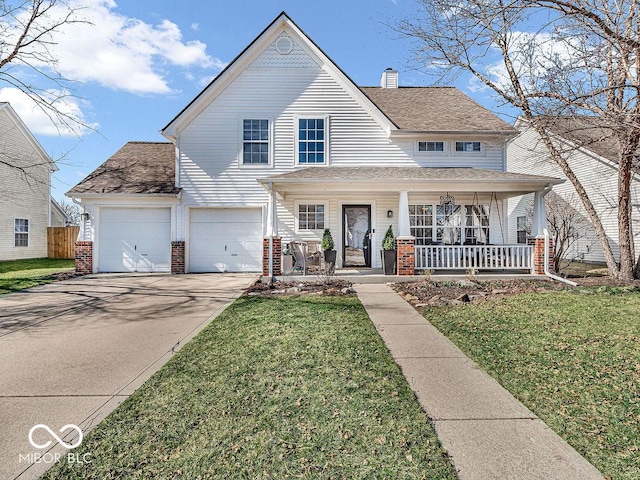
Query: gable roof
{"x": 138, "y": 167}
{"x": 590, "y": 133}
{"x": 252, "y": 50}
{"x": 11, "y": 113}
{"x": 435, "y": 109}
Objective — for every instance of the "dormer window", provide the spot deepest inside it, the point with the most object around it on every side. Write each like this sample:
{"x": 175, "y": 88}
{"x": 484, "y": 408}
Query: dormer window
{"x": 255, "y": 142}
{"x": 312, "y": 141}
{"x": 430, "y": 147}
{"x": 468, "y": 147}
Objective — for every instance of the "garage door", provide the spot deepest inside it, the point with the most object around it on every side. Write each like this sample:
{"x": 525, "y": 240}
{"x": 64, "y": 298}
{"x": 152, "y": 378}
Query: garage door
{"x": 135, "y": 240}
{"x": 225, "y": 240}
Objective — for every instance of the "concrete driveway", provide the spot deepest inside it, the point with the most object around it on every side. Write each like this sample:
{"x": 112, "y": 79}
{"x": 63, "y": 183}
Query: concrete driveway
{"x": 71, "y": 351}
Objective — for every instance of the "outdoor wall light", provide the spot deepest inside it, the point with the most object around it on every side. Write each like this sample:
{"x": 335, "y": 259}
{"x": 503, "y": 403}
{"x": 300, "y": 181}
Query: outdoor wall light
{"x": 389, "y": 213}
{"x": 84, "y": 216}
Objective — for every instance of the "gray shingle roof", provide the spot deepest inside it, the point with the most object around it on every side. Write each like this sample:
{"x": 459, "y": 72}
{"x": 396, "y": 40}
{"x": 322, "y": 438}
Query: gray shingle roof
{"x": 138, "y": 167}
{"x": 591, "y": 133}
{"x": 435, "y": 109}
{"x": 400, "y": 174}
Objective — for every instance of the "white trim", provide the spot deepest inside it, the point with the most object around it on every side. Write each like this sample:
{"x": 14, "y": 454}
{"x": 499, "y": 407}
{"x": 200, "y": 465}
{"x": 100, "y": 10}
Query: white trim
{"x": 455, "y": 151}
{"x": 28, "y": 232}
{"x": 281, "y": 24}
{"x": 270, "y": 142}
{"x": 446, "y": 148}
{"x": 296, "y": 214}
{"x": 327, "y": 135}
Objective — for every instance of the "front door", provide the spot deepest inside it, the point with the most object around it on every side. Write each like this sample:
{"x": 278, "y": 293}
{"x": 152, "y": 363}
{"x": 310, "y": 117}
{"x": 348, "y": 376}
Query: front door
{"x": 356, "y": 235}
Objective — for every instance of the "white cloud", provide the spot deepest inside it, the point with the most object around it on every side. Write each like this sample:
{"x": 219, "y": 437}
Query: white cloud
{"x": 124, "y": 53}
{"x": 195, "y": 26}
{"x": 41, "y": 123}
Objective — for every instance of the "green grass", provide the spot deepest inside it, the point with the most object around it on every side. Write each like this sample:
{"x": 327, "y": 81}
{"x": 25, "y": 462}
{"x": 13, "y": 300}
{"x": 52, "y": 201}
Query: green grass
{"x": 274, "y": 388}
{"x": 16, "y": 275}
{"x": 572, "y": 357}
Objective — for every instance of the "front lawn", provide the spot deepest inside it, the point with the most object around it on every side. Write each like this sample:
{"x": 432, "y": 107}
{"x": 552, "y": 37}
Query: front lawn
{"x": 296, "y": 387}
{"x": 572, "y": 357}
{"x": 16, "y": 275}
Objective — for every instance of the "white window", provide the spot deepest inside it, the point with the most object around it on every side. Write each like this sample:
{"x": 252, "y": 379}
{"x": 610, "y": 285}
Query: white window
{"x": 312, "y": 141}
{"x": 255, "y": 142}
{"x": 21, "y": 232}
{"x": 311, "y": 216}
{"x": 468, "y": 147}
{"x": 430, "y": 147}
{"x": 521, "y": 229}
{"x": 449, "y": 224}
{"x": 476, "y": 228}
{"x": 421, "y": 221}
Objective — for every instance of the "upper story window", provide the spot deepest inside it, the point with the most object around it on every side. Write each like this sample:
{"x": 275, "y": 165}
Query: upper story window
{"x": 469, "y": 147}
{"x": 255, "y": 142}
{"x": 428, "y": 147}
{"x": 21, "y": 232}
{"x": 312, "y": 141}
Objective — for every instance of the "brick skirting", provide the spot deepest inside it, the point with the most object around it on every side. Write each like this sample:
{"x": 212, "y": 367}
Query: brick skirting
{"x": 538, "y": 255}
{"x": 406, "y": 261}
{"x": 177, "y": 257}
{"x": 277, "y": 256}
{"x": 84, "y": 258}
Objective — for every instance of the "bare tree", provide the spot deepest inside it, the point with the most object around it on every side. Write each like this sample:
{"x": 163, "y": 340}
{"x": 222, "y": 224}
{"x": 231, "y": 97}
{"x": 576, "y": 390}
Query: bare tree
{"x": 567, "y": 227}
{"x": 28, "y": 62}
{"x": 72, "y": 210}
{"x": 580, "y": 59}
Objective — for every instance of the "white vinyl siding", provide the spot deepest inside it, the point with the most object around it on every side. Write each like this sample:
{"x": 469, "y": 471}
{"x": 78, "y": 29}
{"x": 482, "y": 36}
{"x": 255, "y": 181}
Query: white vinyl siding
{"x": 526, "y": 154}
{"x": 286, "y": 88}
{"x": 24, "y": 196}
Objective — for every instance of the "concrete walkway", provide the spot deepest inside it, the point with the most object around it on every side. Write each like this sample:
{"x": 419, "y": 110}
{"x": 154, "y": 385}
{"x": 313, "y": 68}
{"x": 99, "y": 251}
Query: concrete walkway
{"x": 487, "y": 432}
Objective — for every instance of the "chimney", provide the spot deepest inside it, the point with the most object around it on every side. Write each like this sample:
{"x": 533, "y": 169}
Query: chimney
{"x": 389, "y": 78}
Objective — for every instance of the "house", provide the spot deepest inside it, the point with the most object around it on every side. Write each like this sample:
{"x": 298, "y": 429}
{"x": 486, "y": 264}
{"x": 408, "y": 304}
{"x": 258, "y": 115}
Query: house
{"x": 26, "y": 206}
{"x": 591, "y": 151}
{"x": 281, "y": 145}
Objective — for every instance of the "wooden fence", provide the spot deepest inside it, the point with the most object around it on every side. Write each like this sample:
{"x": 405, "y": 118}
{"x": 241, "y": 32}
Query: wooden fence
{"x": 61, "y": 241}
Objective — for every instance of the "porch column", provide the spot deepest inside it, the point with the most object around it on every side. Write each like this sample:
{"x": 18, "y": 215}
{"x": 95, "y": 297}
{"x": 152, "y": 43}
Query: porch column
{"x": 537, "y": 231}
{"x": 405, "y": 242}
{"x": 272, "y": 246}
{"x": 404, "y": 227}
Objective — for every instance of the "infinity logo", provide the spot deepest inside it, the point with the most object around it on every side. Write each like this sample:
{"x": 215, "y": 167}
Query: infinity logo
{"x": 56, "y": 437}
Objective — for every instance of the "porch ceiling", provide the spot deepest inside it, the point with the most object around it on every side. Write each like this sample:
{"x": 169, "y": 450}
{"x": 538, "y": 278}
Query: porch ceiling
{"x": 412, "y": 179}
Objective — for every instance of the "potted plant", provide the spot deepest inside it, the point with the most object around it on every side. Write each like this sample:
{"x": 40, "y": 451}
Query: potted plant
{"x": 389, "y": 252}
{"x": 328, "y": 247}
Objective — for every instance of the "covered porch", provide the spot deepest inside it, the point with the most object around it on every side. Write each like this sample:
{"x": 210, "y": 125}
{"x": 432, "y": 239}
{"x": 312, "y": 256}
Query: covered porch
{"x": 444, "y": 219}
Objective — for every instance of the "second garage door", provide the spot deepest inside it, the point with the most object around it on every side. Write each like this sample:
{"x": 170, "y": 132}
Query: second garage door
{"x": 225, "y": 240}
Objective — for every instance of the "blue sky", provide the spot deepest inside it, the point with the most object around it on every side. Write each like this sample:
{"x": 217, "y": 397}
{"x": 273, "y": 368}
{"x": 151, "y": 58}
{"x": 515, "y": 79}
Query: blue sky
{"x": 142, "y": 61}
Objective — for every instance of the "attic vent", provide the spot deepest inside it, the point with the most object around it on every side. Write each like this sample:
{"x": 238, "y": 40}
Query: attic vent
{"x": 284, "y": 45}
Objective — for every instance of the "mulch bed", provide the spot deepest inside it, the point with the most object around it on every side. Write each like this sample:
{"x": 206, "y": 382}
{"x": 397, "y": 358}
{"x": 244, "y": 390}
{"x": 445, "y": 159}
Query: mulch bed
{"x": 328, "y": 287}
{"x": 443, "y": 293}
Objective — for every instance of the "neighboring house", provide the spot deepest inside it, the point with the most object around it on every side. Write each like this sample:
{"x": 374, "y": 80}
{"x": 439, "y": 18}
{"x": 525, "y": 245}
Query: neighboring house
{"x": 591, "y": 151}
{"x": 59, "y": 218}
{"x": 26, "y": 206}
{"x": 282, "y": 145}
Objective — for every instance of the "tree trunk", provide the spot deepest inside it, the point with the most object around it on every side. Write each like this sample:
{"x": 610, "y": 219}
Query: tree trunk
{"x": 562, "y": 162}
{"x": 625, "y": 239}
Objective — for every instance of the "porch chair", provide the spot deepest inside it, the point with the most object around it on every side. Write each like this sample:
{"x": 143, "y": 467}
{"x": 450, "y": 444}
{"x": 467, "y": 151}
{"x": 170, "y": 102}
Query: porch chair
{"x": 305, "y": 255}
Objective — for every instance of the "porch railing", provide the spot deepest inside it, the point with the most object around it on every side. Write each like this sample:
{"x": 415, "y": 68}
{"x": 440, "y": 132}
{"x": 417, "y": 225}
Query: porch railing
{"x": 463, "y": 257}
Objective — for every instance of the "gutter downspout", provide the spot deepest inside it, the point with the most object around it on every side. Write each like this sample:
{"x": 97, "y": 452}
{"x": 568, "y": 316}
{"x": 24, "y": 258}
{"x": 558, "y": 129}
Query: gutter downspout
{"x": 546, "y": 263}
{"x": 546, "y": 243}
